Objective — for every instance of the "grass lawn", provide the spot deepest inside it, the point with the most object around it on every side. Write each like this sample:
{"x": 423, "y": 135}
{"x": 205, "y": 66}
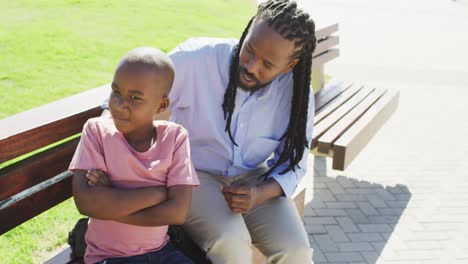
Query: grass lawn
{"x": 50, "y": 49}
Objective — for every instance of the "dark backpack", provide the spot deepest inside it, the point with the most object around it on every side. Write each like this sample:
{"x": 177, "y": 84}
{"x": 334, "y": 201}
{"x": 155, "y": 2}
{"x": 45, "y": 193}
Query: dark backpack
{"x": 76, "y": 238}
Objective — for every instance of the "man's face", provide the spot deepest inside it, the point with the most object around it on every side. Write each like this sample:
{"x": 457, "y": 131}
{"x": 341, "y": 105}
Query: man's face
{"x": 135, "y": 98}
{"x": 263, "y": 56}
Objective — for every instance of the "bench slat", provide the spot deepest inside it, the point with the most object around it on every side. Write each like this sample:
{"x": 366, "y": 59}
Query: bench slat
{"x": 325, "y": 142}
{"x": 36, "y": 169}
{"x": 32, "y": 202}
{"x": 326, "y": 44}
{"x": 64, "y": 256}
{"x": 39, "y": 137}
{"x": 325, "y": 57}
{"x": 333, "y": 118}
{"x": 329, "y": 93}
{"x": 350, "y": 144}
{"x": 39, "y": 127}
{"x": 336, "y": 103}
{"x": 326, "y": 31}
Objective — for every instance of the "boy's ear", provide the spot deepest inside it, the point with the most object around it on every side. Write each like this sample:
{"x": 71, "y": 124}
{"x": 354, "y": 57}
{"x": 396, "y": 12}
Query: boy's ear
{"x": 163, "y": 113}
{"x": 163, "y": 105}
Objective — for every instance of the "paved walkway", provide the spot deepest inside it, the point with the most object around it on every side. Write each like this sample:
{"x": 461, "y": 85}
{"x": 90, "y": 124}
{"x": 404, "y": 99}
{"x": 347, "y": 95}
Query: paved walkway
{"x": 405, "y": 198}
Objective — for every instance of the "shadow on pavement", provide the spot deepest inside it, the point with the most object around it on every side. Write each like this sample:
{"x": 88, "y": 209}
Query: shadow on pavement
{"x": 350, "y": 220}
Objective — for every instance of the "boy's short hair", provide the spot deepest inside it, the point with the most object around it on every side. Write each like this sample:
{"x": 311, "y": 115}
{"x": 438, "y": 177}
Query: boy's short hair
{"x": 152, "y": 58}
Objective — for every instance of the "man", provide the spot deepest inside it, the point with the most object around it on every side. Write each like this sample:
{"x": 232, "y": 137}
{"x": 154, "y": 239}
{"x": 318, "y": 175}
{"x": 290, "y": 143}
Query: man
{"x": 248, "y": 111}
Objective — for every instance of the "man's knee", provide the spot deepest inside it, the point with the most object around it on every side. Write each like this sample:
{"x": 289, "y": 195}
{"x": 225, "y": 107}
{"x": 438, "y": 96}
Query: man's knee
{"x": 292, "y": 252}
{"x": 303, "y": 251}
{"x": 230, "y": 239}
{"x": 227, "y": 232}
{"x": 230, "y": 247}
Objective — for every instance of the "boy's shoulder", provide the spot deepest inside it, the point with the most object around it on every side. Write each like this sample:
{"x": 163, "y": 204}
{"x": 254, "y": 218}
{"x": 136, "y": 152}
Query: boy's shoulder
{"x": 169, "y": 127}
{"x": 100, "y": 124}
{"x": 100, "y": 121}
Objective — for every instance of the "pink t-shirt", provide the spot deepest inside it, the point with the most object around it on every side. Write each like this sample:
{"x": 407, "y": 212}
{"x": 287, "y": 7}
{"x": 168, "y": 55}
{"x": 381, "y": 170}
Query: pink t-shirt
{"x": 167, "y": 162}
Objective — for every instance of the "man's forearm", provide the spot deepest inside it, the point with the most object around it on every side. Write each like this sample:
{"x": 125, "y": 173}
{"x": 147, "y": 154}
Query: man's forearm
{"x": 268, "y": 190}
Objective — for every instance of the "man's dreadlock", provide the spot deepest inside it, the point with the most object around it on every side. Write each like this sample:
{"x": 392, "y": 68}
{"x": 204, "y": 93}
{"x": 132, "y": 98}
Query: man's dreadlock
{"x": 295, "y": 25}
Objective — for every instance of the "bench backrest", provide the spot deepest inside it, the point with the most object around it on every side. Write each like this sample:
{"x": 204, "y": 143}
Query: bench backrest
{"x": 325, "y": 51}
{"x": 326, "y": 48}
{"x": 40, "y": 181}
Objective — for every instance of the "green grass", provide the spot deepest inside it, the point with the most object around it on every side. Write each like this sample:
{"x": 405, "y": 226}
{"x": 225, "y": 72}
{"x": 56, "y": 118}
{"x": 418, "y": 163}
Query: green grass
{"x": 51, "y": 49}
{"x": 33, "y": 241}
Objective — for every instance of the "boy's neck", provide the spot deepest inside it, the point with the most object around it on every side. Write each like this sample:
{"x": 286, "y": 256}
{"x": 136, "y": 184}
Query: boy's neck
{"x": 142, "y": 139}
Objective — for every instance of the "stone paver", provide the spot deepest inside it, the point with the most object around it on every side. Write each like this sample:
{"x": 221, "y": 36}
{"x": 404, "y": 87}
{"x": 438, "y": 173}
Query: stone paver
{"x": 393, "y": 231}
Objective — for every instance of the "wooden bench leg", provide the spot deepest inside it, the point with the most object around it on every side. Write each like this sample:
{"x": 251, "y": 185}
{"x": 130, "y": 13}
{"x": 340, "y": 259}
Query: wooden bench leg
{"x": 320, "y": 166}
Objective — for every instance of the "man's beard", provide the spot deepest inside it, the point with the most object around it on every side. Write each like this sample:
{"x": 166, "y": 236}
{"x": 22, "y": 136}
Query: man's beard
{"x": 254, "y": 88}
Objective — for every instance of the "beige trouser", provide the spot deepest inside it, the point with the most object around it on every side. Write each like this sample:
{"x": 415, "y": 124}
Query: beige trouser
{"x": 274, "y": 227}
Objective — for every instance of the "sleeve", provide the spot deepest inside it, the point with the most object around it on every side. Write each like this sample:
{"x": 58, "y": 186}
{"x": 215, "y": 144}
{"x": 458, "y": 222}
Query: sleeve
{"x": 290, "y": 180}
{"x": 89, "y": 153}
{"x": 192, "y": 59}
{"x": 181, "y": 171}
{"x": 183, "y": 61}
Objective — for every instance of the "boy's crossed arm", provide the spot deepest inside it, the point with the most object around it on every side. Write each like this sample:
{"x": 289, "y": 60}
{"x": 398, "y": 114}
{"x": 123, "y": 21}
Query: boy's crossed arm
{"x": 149, "y": 206}
{"x": 107, "y": 203}
{"x": 173, "y": 211}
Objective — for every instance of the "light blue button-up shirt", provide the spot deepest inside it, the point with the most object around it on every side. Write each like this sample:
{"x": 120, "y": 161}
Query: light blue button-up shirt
{"x": 258, "y": 122}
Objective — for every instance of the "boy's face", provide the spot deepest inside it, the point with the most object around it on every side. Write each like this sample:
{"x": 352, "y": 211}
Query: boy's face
{"x": 263, "y": 56}
{"x": 136, "y": 97}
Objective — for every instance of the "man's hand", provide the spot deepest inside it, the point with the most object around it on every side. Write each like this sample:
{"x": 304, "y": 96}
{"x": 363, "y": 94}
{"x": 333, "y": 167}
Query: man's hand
{"x": 97, "y": 177}
{"x": 240, "y": 198}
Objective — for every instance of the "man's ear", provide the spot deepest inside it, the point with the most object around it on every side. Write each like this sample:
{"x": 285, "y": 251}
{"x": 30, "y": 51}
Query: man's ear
{"x": 291, "y": 65}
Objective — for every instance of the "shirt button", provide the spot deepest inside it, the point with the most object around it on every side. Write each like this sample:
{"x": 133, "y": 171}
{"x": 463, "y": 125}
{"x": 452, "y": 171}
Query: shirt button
{"x": 241, "y": 125}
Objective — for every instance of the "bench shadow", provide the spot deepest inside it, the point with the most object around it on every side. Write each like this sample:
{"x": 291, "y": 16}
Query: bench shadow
{"x": 349, "y": 220}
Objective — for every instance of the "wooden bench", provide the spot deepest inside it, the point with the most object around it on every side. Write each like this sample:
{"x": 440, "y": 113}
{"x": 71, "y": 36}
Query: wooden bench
{"x": 347, "y": 114}
{"x": 347, "y": 117}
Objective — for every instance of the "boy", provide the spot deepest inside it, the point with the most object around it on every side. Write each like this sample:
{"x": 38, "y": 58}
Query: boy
{"x": 132, "y": 175}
